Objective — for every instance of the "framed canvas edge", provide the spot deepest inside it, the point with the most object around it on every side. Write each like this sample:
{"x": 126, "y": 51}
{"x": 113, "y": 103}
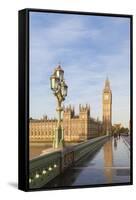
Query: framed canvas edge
{"x": 23, "y": 97}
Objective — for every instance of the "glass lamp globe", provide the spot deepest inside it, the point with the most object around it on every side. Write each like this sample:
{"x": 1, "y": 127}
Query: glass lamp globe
{"x": 54, "y": 82}
{"x": 59, "y": 72}
{"x": 64, "y": 90}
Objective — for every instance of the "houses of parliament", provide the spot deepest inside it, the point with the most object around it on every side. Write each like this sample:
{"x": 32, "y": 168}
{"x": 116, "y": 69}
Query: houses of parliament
{"x": 76, "y": 128}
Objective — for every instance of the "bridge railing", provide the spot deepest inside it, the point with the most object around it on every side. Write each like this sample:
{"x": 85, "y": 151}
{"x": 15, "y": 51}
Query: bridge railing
{"x": 46, "y": 167}
{"x": 90, "y": 146}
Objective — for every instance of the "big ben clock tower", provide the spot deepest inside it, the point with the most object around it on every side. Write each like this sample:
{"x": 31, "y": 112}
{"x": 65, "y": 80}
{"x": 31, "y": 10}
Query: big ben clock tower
{"x": 107, "y": 108}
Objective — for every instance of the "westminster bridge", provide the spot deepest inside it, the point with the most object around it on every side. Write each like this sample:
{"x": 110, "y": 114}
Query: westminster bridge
{"x": 102, "y": 160}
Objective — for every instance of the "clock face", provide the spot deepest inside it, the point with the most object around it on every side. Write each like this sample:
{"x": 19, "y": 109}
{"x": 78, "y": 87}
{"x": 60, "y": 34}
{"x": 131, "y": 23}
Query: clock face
{"x": 106, "y": 97}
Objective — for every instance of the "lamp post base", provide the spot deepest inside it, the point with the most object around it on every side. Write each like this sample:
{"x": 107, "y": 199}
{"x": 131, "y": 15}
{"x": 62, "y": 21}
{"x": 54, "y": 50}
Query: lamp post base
{"x": 58, "y": 141}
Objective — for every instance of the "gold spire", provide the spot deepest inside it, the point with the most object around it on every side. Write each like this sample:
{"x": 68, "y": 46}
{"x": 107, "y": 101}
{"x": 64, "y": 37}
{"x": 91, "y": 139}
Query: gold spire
{"x": 107, "y": 84}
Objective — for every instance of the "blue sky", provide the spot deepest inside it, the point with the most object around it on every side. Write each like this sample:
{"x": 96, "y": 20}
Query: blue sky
{"x": 89, "y": 48}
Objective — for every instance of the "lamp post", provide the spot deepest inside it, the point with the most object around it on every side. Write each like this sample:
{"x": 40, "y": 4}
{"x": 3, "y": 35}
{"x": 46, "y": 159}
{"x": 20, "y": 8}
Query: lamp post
{"x": 59, "y": 88}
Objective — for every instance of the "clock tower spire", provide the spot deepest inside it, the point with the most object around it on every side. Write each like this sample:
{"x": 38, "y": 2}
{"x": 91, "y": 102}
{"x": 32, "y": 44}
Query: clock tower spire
{"x": 107, "y": 108}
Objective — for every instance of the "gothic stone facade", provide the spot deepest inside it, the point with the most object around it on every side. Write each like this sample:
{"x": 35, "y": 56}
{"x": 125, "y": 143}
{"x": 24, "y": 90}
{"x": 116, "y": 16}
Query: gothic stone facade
{"x": 76, "y": 127}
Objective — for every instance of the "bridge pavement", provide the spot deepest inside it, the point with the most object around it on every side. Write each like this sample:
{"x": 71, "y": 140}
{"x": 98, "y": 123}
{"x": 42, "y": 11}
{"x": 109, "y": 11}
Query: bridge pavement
{"x": 110, "y": 164}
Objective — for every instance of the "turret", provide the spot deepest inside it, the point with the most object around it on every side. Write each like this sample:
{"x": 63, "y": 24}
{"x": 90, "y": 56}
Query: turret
{"x": 84, "y": 111}
{"x": 69, "y": 112}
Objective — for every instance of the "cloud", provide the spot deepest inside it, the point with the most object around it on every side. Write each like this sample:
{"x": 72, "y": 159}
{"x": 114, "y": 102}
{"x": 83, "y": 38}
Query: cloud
{"x": 89, "y": 48}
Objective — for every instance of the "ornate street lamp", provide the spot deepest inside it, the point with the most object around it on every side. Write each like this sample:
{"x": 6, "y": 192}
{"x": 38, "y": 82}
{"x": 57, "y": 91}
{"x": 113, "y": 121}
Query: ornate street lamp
{"x": 59, "y": 88}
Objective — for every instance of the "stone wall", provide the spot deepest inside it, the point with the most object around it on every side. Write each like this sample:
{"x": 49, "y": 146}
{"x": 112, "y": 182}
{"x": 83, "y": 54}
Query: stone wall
{"x": 76, "y": 127}
{"x": 46, "y": 167}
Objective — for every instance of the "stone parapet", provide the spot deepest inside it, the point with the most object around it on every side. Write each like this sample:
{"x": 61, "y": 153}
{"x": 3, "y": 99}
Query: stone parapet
{"x": 46, "y": 167}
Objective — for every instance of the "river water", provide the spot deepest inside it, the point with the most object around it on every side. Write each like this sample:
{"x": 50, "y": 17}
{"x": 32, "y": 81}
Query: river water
{"x": 110, "y": 164}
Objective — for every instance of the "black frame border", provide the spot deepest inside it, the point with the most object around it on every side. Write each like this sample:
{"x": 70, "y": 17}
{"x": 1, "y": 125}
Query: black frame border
{"x": 23, "y": 97}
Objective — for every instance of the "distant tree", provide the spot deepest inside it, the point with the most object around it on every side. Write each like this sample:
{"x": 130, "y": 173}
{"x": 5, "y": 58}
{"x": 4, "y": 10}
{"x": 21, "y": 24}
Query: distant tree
{"x": 123, "y": 130}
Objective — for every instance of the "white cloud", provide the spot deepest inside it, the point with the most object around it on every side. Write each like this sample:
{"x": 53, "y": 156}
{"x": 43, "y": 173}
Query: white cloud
{"x": 87, "y": 58}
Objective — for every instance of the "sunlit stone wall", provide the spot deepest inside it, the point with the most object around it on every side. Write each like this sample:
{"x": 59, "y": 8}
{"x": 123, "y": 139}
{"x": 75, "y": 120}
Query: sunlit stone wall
{"x": 76, "y": 127}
